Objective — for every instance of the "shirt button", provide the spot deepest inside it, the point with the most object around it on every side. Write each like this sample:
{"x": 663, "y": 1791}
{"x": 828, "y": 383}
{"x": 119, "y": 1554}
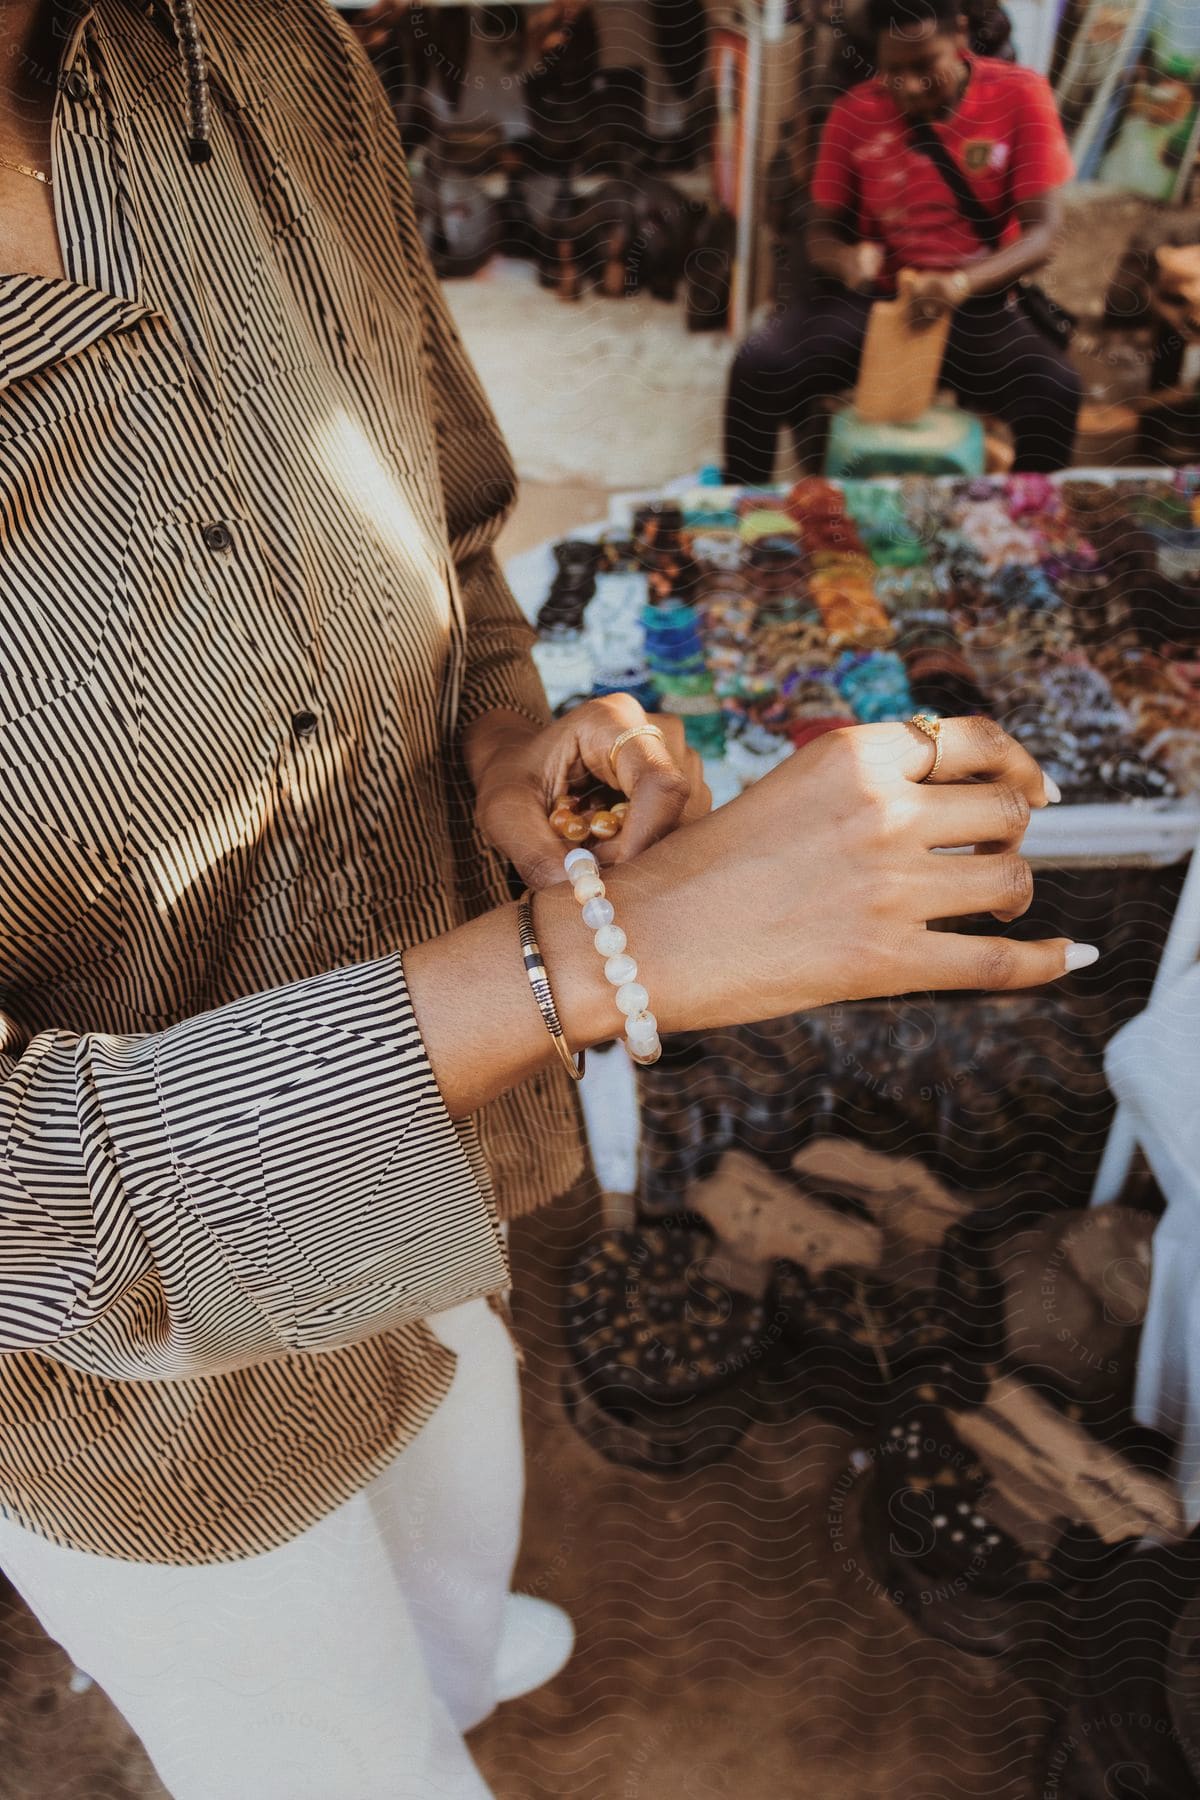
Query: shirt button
{"x": 304, "y": 724}
{"x": 78, "y": 85}
{"x": 217, "y": 536}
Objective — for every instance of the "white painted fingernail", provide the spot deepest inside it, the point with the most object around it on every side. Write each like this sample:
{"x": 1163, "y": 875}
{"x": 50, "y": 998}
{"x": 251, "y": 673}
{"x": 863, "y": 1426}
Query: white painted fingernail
{"x": 1081, "y": 956}
{"x": 1053, "y": 791}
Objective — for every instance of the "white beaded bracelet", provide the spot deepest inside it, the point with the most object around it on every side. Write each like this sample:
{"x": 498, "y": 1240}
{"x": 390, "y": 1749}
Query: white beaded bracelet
{"x": 641, "y": 1027}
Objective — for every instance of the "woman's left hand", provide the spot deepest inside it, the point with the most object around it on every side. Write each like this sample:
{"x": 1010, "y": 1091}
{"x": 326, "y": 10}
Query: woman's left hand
{"x": 518, "y": 773}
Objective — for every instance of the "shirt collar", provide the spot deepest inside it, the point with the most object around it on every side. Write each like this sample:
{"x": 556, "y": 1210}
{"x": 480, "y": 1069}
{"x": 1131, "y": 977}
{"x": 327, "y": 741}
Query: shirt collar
{"x": 45, "y": 318}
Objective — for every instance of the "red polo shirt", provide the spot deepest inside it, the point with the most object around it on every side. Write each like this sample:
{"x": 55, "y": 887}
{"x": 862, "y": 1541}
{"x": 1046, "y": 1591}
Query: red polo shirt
{"x": 1005, "y": 135}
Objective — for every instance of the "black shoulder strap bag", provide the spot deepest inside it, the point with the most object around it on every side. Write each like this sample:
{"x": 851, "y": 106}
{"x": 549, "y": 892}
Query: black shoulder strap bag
{"x": 1051, "y": 319}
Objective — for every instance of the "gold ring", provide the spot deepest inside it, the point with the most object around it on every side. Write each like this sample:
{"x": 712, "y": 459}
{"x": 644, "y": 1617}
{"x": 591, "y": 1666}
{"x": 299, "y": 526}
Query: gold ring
{"x": 932, "y": 729}
{"x": 634, "y": 731}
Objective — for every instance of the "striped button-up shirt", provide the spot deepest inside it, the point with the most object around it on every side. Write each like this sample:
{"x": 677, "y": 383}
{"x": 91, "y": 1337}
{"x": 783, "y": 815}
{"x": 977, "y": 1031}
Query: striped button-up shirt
{"x": 248, "y": 491}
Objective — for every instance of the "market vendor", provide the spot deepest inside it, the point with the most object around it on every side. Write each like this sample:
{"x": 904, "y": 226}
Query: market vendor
{"x": 946, "y": 164}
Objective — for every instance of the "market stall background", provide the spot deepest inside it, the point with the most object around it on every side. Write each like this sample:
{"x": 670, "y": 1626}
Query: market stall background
{"x": 877, "y": 1214}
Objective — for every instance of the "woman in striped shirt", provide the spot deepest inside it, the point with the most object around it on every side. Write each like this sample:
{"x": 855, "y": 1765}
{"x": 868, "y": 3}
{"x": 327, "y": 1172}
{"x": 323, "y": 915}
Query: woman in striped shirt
{"x": 273, "y": 1075}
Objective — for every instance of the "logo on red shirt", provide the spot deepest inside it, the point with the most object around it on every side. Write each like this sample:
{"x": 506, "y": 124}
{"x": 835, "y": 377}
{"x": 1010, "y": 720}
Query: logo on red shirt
{"x": 984, "y": 153}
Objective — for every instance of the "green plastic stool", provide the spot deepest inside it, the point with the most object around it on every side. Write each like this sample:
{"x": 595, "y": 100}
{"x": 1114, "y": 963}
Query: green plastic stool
{"x": 943, "y": 441}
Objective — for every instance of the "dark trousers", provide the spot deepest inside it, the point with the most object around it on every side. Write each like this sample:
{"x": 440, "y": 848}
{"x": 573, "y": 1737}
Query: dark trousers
{"x": 996, "y": 362}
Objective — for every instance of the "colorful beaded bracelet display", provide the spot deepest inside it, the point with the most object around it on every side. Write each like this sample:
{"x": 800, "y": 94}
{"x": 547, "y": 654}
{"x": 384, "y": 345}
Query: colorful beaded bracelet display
{"x": 641, "y": 1027}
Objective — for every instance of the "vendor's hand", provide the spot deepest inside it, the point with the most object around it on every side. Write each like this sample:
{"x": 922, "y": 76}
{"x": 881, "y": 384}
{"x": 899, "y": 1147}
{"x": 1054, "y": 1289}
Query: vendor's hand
{"x": 862, "y": 266}
{"x": 820, "y": 882}
{"x": 931, "y": 294}
{"x": 519, "y": 774}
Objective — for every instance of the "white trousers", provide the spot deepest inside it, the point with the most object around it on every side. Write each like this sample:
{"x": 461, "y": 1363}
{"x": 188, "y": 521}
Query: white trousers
{"x": 346, "y": 1664}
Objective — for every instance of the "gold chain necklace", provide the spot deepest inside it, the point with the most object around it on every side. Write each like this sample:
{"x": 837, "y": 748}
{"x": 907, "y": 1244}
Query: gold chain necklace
{"x": 24, "y": 169}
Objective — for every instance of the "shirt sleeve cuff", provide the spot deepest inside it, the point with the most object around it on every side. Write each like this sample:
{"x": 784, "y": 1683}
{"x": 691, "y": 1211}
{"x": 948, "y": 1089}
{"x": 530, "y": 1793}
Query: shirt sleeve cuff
{"x": 290, "y": 1164}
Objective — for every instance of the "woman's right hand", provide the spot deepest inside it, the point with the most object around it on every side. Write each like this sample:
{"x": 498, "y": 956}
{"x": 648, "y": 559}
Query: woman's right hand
{"x": 820, "y": 882}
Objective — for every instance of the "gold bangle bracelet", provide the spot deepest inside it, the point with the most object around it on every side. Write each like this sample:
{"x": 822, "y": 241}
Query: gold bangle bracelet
{"x": 539, "y": 981}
